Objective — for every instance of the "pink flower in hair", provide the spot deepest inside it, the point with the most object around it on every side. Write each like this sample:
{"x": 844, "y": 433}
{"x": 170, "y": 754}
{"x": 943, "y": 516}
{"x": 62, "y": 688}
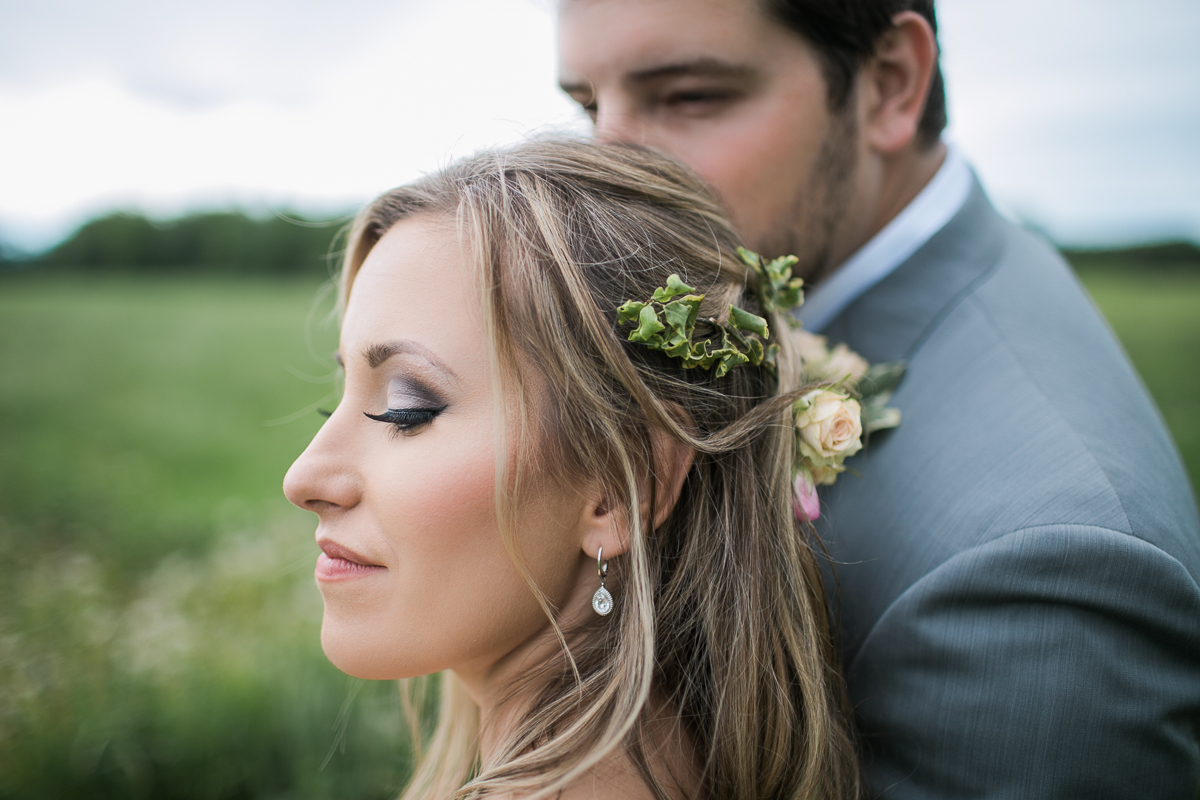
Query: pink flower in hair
{"x": 807, "y": 505}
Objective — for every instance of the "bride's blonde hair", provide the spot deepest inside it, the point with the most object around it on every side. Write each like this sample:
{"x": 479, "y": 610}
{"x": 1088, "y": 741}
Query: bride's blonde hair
{"x": 720, "y": 613}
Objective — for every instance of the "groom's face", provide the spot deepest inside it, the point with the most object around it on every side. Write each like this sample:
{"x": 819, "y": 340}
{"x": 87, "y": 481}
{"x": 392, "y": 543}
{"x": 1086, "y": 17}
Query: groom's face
{"x": 735, "y": 95}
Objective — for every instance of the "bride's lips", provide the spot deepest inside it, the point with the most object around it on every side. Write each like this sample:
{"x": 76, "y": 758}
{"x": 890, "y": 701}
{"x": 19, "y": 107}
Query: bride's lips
{"x": 338, "y": 563}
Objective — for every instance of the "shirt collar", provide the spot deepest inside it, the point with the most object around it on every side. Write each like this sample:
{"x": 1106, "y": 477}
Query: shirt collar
{"x": 928, "y": 213}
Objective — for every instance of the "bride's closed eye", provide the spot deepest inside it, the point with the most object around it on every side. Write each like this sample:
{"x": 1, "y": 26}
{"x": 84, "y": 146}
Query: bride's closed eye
{"x": 406, "y": 420}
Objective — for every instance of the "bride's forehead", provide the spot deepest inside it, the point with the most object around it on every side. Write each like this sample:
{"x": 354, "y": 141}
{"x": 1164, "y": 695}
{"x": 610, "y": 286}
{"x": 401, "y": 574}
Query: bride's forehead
{"x": 416, "y": 267}
{"x": 415, "y": 285}
{"x": 412, "y": 244}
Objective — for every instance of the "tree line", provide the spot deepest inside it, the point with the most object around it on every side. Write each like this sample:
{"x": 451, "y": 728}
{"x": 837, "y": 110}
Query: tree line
{"x": 219, "y": 242}
{"x": 1159, "y": 257}
{"x": 231, "y": 242}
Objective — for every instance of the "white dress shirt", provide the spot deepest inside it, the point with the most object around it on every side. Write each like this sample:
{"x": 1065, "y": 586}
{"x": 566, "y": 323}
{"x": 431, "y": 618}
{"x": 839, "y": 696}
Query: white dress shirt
{"x": 927, "y": 214}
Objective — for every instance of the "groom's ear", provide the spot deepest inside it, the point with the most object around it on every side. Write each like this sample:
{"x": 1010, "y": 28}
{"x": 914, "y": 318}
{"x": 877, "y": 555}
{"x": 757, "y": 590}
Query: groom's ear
{"x": 893, "y": 84}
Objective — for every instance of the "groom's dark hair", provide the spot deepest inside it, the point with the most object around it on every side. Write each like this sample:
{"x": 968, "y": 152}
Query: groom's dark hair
{"x": 845, "y": 33}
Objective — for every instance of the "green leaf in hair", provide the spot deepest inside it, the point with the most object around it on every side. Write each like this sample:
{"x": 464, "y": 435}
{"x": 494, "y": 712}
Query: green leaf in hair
{"x": 667, "y": 323}
{"x": 778, "y": 290}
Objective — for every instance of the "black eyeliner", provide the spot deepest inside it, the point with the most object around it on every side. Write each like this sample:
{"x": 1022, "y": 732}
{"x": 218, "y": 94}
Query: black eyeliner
{"x": 405, "y": 419}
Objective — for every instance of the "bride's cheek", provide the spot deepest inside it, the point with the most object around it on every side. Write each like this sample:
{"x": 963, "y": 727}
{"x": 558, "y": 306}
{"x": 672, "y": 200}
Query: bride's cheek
{"x": 450, "y": 584}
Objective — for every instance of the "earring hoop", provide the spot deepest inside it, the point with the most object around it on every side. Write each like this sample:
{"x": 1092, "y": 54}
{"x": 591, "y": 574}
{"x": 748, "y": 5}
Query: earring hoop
{"x": 602, "y": 600}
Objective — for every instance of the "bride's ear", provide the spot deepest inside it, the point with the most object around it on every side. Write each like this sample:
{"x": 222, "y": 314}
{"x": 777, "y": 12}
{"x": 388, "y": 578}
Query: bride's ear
{"x": 604, "y": 527}
{"x": 672, "y": 462}
{"x": 605, "y": 523}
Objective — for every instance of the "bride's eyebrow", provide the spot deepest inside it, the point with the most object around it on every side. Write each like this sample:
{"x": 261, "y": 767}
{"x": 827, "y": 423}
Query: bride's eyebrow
{"x": 376, "y": 354}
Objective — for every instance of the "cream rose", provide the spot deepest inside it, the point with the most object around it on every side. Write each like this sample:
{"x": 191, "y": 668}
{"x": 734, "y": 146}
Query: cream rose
{"x": 830, "y": 426}
{"x": 822, "y": 364}
{"x": 845, "y": 364}
{"x": 811, "y": 347}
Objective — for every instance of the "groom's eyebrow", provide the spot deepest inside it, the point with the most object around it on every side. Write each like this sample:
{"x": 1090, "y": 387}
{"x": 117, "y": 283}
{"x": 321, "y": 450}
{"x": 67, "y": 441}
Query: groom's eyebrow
{"x": 705, "y": 67}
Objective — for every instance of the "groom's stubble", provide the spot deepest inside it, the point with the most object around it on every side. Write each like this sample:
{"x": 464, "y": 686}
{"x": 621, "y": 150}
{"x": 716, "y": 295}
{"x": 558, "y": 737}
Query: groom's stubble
{"x": 822, "y": 206}
{"x": 739, "y": 98}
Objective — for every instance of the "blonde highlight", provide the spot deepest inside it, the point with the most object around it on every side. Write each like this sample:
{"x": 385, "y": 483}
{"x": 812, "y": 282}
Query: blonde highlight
{"x": 722, "y": 608}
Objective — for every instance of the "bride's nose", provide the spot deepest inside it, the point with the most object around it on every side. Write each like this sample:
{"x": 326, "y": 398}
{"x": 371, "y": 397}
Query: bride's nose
{"x": 322, "y": 479}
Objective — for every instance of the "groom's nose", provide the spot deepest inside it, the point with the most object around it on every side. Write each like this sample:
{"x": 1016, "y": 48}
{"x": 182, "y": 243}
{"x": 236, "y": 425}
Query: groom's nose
{"x": 618, "y": 122}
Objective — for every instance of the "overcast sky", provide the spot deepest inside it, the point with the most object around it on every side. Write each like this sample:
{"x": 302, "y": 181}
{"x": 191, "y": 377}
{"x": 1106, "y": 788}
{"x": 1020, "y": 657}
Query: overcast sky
{"x": 1081, "y": 116}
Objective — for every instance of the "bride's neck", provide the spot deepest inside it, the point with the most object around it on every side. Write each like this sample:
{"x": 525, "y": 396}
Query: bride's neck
{"x": 507, "y": 688}
{"x": 668, "y": 749}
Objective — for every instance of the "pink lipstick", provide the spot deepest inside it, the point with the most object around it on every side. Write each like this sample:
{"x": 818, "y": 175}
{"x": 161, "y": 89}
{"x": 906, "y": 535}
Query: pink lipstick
{"x": 338, "y": 563}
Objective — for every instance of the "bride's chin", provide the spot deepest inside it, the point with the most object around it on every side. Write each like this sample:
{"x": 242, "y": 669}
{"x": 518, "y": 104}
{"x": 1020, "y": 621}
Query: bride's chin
{"x": 359, "y": 654}
{"x": 352, "y": 654}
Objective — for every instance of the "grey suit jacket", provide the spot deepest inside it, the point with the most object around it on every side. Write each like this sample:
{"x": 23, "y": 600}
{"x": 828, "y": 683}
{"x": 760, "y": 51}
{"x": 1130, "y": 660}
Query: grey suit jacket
{"x": 1019, "y": 560}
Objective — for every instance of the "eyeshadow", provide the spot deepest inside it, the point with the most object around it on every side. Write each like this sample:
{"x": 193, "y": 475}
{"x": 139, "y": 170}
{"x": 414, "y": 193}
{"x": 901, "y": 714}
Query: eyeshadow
{"x": 412, "y": 394}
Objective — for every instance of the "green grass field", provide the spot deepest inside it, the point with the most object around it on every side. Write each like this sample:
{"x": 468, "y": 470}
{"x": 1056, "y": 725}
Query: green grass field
{"x": 139, "y": 415}
{"x": 158, "y": 623}
{"x": 1156, "y": 315}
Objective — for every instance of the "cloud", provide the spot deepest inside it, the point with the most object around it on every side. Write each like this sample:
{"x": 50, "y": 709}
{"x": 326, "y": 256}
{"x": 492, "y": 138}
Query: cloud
{"x": 404, "y": 94}
{"x": 186, "y": 53}
{"x": 1078, "y": 114}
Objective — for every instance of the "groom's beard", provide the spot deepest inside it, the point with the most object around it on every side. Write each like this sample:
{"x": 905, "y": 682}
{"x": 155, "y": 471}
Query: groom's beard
{"x": 820, "y": 207}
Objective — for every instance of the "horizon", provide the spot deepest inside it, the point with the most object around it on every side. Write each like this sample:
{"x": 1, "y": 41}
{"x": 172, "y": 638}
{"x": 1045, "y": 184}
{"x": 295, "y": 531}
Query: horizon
{"x": 1079, "y": 115}
{"x": 10, "y": 258}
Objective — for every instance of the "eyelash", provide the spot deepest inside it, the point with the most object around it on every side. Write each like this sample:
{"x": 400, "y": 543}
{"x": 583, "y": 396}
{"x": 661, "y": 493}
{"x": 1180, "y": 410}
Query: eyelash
{"x": 696, "y": 96}
{"x": 406, "y": 419}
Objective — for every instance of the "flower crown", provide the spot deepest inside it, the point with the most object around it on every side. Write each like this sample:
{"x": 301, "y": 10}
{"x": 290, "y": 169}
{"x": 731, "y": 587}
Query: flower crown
{"x": 830, "y": 420}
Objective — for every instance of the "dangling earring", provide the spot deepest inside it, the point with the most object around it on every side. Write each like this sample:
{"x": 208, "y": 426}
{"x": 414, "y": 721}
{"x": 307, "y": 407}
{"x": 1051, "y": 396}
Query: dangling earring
{"x": 602, "y": 601}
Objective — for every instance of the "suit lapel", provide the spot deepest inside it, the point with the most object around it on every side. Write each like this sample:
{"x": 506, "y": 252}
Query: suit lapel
{"x": 891, "y": 319}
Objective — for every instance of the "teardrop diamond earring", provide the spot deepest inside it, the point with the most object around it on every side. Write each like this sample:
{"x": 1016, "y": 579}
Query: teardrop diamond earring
{"x": 602, "y": 601}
